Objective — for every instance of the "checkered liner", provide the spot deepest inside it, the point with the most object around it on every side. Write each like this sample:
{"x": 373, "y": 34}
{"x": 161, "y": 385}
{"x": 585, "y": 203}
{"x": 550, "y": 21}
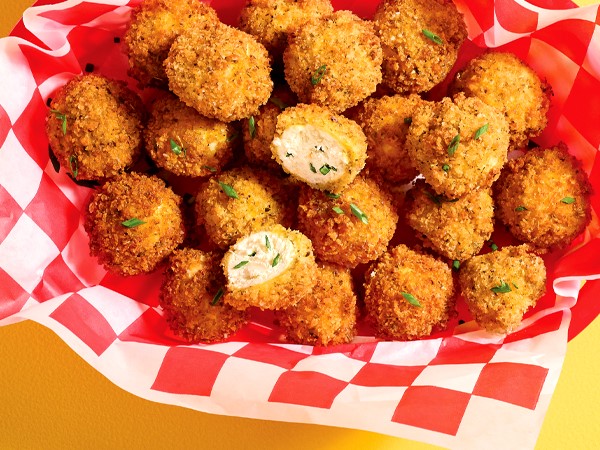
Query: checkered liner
{"x": 435, "y": 390}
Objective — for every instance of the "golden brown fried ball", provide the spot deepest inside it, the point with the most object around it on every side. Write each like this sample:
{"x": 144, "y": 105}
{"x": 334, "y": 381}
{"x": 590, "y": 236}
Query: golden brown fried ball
{"x": 420, "y": 41}
{"x": 543, "y": 197}
{"x": 328, "y": 315}
{"x": 183, "y": 142}
{"x": 190, "y": 296}
{"x": 501, "y": 286}
{"x": 133, "y": 221}
{"x": 94, "y": 126}
{"x": 242, "y": 200}
{"x": 505, "y": 82}
{"x": 220, "y": 71}
{"x": 349, "y": 228}
{"x": 459, "y": 145}
{"x": 272, "y": 268}
{"x": 408, "y": 294}
{"x": 153, "y": 27}
{"x": 334, "y": 61}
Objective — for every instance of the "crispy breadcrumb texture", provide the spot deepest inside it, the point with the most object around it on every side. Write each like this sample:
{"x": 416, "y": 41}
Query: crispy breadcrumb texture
{"x": 499, "y": 287}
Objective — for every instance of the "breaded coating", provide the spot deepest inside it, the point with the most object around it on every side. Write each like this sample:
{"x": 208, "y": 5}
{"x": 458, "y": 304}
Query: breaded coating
{"x": 505, "y": 82}
{"x": 459, "y": 145}
{"x": 153, "y": 27}
{"x": 190, "y": 296}
{"x": 183, "y": 142}
{"x": 271, "y": 21}
{"x": 420, "y": 41}
{"x": 320, "y": 148}
{"x": 272, "y": 268}
{"x": 334, "y": 61}
{"x": 328, "y": 315}
{"x": 349, "y": 228}
{"x": 456, "y": 229}
{"x": 501, "y": 286}
{"x": 133, "y": 221}
{"x": 543, "y": 197}
{"x": 94, "y": 126}
{"x": 242, "y": 200}
{"x": 220, "y": 71}
{"x": 408, "y": 294}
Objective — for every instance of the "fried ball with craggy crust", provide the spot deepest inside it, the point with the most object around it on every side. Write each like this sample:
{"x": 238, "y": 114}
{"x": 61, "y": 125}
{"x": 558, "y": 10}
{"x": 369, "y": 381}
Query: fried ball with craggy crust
{"x": 459, "y": 145}
{"x": 271, "y": 21}
{"x": 133, "y": 221}
{"x": 408, "y": 294}
{"x": 505, "y": 82}
{"x": 242, "y": 200}
{"x": 499, "y": 287}
{"x": 154, "y": 26}
{"x": 190, "y": 294}
{"x": 456, "y": 229}
{"x": 320, "y": 148}
{"x": 543, "y": 197}
{"x": 183, "y": 142}
{"x": 220, "y": 71}
{"x": 420, "y": 41}
{"x": 328, "y": 315}
{"x": 94, "y": 126}
{"x": 334, "y": 61}
{"x": 272, "y": 268}
{"x": 350, "y": 228}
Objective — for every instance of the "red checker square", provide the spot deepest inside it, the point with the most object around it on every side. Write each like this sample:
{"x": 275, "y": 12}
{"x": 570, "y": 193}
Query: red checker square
{"x": 86, "y": 322}
{"x": 432, "y": 408}
{"x": 4, "y": 125}
{"x": 189, "y": 371}
{"x": 373, "y": 374}
{"x": 44, "y": 66}
{"x": 546, "y": 324}
{"x": 571, "y": 37}
{"x": 519, "y": 384}
{"x": 578, "y": 108}
{"x": 514, "y": 17}
{"x": 271, "y": 354}
{"x": 150, "y": 328}
{"x": 10, "y": 211}
{"x": 307, "y": 388}
{"x": 454, "y": 350}
{"x": 33, "y": 140}
{"x": 79, "y": 14}
{"x": 58, "y": 279}
{"x": 12, "y": 295}
{"x": 144, "y": 288}
{"x": 362, "y": 352}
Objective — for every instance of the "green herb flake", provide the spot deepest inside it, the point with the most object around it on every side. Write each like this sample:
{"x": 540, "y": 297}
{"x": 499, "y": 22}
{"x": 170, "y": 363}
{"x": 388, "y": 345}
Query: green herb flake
{"x": 252, "y": 127}
{"x": 276, "y": 101}
{"x": 132, "y": 223}
{"x": 228, "y": 190}
{"x": 332, "y": 195}
{"x": 567, "y": 200}
{"x": 176, "y": 148}
{"x": 312, "y": 168}
{"x": 240, "y": 264}
{"x": 276, "y": 260}
{"x": 267, "y": 242}
{"x": 288, "y": 154}
{"x": 502, "y": 288}
{"x": 73, "y": 165}
{"x": 445, "y": 167}
{"x": 209, "y": 168}
{"x": 252, "y": 254}
{"x": 454, "y": 145}
{"x": 521, "y": 208}
{"x": 318, "y": 75}
{"x": 456, "y": 264}
{"x": 432, "y": 36}
{"x": 63, "y": 120}
{"x": 326, "y": 168}
{"x": 217, "y": 296}
{"x": 493, "y": 246}
{"x": 338, "y": 210}
{"x": 358, "y": 213}
{"x": 411, "y": 299}
{"x": 480, "y": 131}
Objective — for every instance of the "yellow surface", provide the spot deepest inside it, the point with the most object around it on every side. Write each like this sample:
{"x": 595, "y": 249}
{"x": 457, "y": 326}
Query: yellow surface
{"x": 51, "y": 399}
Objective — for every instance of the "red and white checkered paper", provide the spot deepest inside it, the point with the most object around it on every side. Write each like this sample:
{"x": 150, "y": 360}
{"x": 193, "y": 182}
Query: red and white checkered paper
{"x": 462, "y": 388}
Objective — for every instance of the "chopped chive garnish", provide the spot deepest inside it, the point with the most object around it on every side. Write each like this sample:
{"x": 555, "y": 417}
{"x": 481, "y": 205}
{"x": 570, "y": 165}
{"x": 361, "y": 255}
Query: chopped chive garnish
{"x": 252, "y": 127}
{"x": 267, "y": 243}
{"x": 278, "y": 102}
{"x": 252, "y": 254}
{"x": 493, "y": 246}
{"x": 480, "y": 131}
{"x": 228, "y": 190}
{"x": 132, "y": 223}
{"x": 408, "y": 120}
{"x": 453, "y": 144}
{"x": 445, "y": 167}
{"x": 432, "y": 36}
{"x": 338, "y": 210}
{"x": 502, "y": 288}
{"x": 233, "y": 136}
{"x": 316, "y": 77}
{"x": 312, "y": 168}
{"x": 73, "y": 165}
{"x": 176, "y": 148}
{"x": 240, "y": 264}
{"x": 520, "y": 208}
{"x": 288, "y": 154}
{"x": 63, "y": 119}
{"x": 217, "y": 296}
{"x": 326, "y": 168}
{"x": 332, "y": 195}
{"x": 358, "y": 213}
{"x": 568, "y": 200}
{"x": 411, "y": 299}
{"x": 456, "y": 264}
{"x": 209, "y": 168}
{"x": 276, "y": 260}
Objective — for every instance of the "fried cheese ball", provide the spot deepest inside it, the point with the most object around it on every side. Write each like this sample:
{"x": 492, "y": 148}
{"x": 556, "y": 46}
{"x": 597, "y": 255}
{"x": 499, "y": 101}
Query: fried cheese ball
{"x": 459, "y": 145}
{"x": 220, "y": 71}
{"x": 408, "y": 294}
{"x": 420, "y": 41}
{"x": 133, "y": 221}
{"x": 350, "y": 228}
{"x": 543, "y": 197}
{"x": 242, "y": 200}
{"x": 456, "y": 229}
{"x": 154, "y": 26}
{"x": 183, "y": 142}
{"x": 271, "y": 21}
{"x": 334, "y": 61}
{"x": 320, "y": 148}
{"x": 94, "y": 126}
{"x": 190, "y": 296}
{"x": 270, "y": 269}
{"x": 505, "y": 82}
{"x": 328, "y": 315}
{"x": 499, "y": 287}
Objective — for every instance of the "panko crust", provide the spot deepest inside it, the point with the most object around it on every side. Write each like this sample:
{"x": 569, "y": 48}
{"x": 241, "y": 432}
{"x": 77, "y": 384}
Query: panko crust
{"x": 334, "y": 61}
{"x": 412, "y": 62}
{"x": 518, "y": 276}
{"x": 428, "y": 280}
{"x": 343, "y": 238}
{"x": 233, "y": 79}
{"x": 543, "y": 197}
{"x": 474, "y": 162}
{"x": 94, "y": 126}
{"x": 505, "y": 82}
{"x": 137, "y": 249}
{"x": 189, "y": 296}
{"x": 328, "y": 315}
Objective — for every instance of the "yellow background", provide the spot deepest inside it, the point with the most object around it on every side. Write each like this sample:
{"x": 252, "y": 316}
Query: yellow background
{"x": 50, "y": 398}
